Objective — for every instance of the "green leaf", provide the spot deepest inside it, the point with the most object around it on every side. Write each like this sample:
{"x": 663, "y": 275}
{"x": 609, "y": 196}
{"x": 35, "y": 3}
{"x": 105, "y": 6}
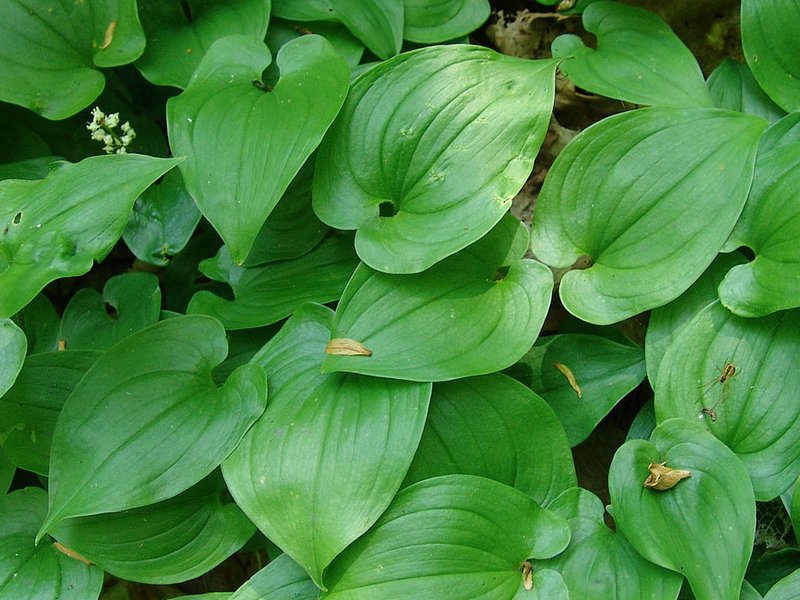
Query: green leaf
{"x": 770, "y": 226}
{"x": 51, "y": 52}
{"x": 771, "y": 48}
{"x": 703, "y": 526}
{"x": 494, "y": 427}
{"x": 7, "y": 471}
{"x": 673, "y": 184}
{"x": 33, "y": 168}
{"x": 281, "y": 32}
{"x": 271, "y": 292}
{"x": 29, "y": 410}
{"x": 291, "y": 229}
{"x": 476, "y": 312}
{"x": 38, "y": 571}
{"x": 377, "y": 23}
{"x": 666, "y": 321}
{"x": 163, "y": 219}
{"x": 794, "y": 506}
{"x": 282, "y": 578}
{"x": 749, "y": 592}
{"x": 638, "y": 59}
{"x": 130, "y": 302}
{"x": 755, "y": 408}
{"x": 431, "y": 22}
{"x": 604, "y": 372}
{"x": 426, "y": 154}
{"x": 149, "y": 396}
{"x": 169, "y": 542}
{"x": 330, "y": 452}
{"x": 643, "y": 423}
{"x": 456, "y": 536}
{"x": 40, "y": 323}
{"x": 179, "y": 33}
{"x": 245, "y": 144}
{"x": 786, "y": 588}
{"x": 732, "y": 86}
{"x": 13, "y": 346}
{"x": 43, "y": 224}
{"x": 601, "y": 563}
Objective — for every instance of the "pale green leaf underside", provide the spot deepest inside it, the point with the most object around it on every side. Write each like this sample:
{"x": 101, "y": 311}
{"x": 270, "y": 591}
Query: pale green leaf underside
{"x": 331, "y": 450}
{"x": 13, "y": 346}
{"x": 43, "y": 224}
{"x": 638, "y": 59}
{"x": 244, "y": 144}
{"x": 706, "y": 519}
{"x": 494, "y": 427}
{"x": 673, "y": 182}
{"x": 757, "y": 408}
{"x": 282, "y": 578}
{"x": 149, "y": 408}
{"x": 446, "y": 135}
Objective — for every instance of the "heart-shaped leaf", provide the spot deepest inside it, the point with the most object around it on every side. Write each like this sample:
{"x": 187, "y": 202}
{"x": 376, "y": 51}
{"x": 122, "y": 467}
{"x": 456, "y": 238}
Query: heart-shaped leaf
{"x": 601, "y": 563}
{"x": 326, "y": 458}
{"x": 163, "y": 219}
{"x": 703, "y": 526}
{"x": 446, "y": 152}
{"x": 771, "y": 48}
{"x": 733, "y": 86}
{"x": 29, "y": 410}
{"x": 43, "y": 224}
{"x": 169, "y": 542}
{"x": 474, "y": 313}
{"x": 433, "y": 22}
{"x": 739, "y": 377}
{"x": 32, "y": 571}
{"x": 271, "y": 292}
{"x": 673, "y": 184}
{"x": 246, "y": 142}
{"x": 13, "y": 346}
{"x": 51, "y": 51}
{"x": 179, "y": 33}
{"x": 377, "y": 23}
{"x": 770, "y": 226}
{"x": 130, "y": 302}
{"x": 497, "y": 428}
{"x": 666, "y": 321}
{"x": 149, "y": 409}
{"x": 638, "y": 59}
{"x": 582, "y": 377}
{"x": 455, "y": 536}
{"x": 282, "y": 578}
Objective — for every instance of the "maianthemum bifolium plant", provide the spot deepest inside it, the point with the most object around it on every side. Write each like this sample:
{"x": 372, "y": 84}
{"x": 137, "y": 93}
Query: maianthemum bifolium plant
{"x": 327, "y": 350}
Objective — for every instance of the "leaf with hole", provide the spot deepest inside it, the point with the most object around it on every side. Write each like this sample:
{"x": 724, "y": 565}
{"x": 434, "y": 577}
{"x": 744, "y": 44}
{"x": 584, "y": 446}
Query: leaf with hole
{"x": 245, "y": 142}
{"x": 703, "y": 526}
{"x": 674, "y": 182}
{"x": 43, "y": 232}
{"x": 180, "y": 33}
{"x": 456, "y": 536}
{"x": 429, "y": 150}
{"x": 475, "y": 312}
{"x": 148, "y": 408}
{"x": 745, "y": 370}
{"x": 494, "y": 427}
{"x": 331, "y": 450}
{"x": 52, "y": 53}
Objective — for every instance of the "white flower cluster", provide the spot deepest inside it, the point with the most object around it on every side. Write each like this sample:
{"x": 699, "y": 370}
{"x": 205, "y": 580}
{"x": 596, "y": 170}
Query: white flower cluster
{"x": 102, "y": 128}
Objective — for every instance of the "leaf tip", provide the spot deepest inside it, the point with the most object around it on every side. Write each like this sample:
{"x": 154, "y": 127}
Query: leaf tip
{"x": 346, "y": 347}
{"x": 662, "y": 477}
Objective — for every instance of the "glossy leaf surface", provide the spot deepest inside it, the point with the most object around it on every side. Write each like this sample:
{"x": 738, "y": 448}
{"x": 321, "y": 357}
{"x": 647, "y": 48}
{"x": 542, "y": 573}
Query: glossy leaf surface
{"x": 43, "y": 224}
{"x": 148, "y": 408}
{"x": 326, "y": 458}
{"x": 434, "y": 21}
{"x": 673, "y": 184}
{"x": 31, "y": 571}
{"x": 244, "y": 142}
{"x": 757, "y": 408}
{"x": 281, "y": 578}
{"x": 426, "y": 138}
{"x": 268, "y": 293}
{"x": 732, "y": 86}
{"x": 494, "y": 427}
{"x": 455, "y": 536}
{"x": 703, "y": 526}
{"x": 474, "y": 313}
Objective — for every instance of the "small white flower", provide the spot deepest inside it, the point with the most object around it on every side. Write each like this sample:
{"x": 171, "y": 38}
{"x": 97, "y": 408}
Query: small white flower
{"x": 112, "y": 120}
{"x": 98, "y": 135}
{"x": 122, "y": 150}
{"x": 108, "y": 149}
{"x": 97, "y": 114}
{"x": 126, "y": 127}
